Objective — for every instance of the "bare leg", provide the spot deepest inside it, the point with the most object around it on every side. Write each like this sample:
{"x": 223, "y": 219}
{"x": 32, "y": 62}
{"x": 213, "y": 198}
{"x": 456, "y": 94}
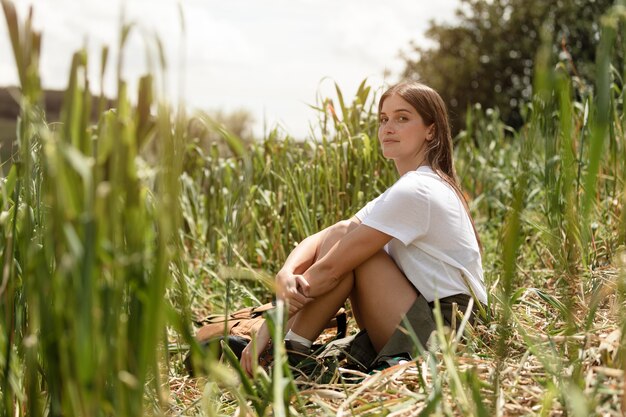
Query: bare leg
{"x": 381, "y": 296}
{"x": 379, "y": 292}
{"x": 311, "y": 320}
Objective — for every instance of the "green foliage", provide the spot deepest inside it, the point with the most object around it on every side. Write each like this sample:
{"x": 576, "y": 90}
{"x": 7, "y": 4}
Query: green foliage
{"x": 278, "y": 191}
{"x": 87, "y": 249}
{"x": 205, "y": 130}
{"x": 488, "y": 55}
{"x": 105, "y": 254}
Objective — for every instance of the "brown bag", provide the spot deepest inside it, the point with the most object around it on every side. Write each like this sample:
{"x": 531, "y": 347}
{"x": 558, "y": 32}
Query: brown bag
{"x": 248, "y": 321}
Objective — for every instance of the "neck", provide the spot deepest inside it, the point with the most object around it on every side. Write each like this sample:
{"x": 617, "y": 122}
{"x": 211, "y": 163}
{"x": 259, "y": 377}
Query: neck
{"x": 406, "y": 166}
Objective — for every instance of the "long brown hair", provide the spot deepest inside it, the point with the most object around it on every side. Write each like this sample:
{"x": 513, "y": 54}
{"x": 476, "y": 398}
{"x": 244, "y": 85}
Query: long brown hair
{"x": 430, "y": 106}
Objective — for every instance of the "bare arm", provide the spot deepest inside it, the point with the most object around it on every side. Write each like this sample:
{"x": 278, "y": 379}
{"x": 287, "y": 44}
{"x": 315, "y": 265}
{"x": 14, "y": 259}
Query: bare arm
{"x": 303, "y": 255}
{"x": 299, "y": 260}
{"x": 349, "y": 252}
{"x": 290, "y": 284}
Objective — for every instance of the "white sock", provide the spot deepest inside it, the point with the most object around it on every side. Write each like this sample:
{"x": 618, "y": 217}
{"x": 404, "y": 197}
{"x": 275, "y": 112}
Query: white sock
{"x": 294, "y": 337}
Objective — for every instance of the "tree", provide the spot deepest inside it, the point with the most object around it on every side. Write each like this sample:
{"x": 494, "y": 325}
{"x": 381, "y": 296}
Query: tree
{"x": 487, "y": 56}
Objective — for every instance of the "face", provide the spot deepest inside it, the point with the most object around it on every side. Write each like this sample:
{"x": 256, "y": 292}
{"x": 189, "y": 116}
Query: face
{"x": 403, "y": 133}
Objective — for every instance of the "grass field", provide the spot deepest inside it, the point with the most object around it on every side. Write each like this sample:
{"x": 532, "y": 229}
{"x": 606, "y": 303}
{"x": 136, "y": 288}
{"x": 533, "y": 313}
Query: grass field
{"x": 7, "y": 138}
{"x": 107, "y": 258}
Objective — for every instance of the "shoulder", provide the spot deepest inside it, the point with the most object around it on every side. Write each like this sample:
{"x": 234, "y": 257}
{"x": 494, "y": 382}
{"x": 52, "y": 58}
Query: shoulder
{"x": 413, "y": 191}
{"x": 423, "y": 181}
{"x": 410, "y": 186}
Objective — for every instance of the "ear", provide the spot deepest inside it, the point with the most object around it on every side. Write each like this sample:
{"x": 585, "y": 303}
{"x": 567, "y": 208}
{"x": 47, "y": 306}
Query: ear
{"x": 430, "y": 134}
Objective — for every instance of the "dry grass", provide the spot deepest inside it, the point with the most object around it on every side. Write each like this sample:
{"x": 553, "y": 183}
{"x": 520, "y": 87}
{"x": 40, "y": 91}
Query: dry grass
{"x": 94, "y": 269}
{"x": 525, "y": 379}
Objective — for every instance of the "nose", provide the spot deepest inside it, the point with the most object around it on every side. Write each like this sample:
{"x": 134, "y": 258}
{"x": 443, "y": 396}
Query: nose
{"x": 388, "y": 127}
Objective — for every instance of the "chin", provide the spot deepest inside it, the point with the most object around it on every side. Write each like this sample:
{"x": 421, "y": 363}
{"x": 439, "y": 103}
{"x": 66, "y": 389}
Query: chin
{"x": 389, "y": 155}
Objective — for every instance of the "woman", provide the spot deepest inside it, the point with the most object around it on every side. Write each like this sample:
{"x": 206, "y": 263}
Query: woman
{"x": 413, "y": 244}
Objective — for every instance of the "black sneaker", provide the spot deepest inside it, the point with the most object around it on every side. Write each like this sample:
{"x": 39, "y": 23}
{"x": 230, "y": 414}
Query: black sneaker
{"x": 300, "y": 358}
{"x": 296, "y": 352}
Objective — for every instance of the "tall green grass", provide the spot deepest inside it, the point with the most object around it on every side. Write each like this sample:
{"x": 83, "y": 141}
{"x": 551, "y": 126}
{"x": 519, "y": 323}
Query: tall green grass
{"x": 89, "y": 238}
{"x": 106, "y": 256}
{"x": 548, "y": 202}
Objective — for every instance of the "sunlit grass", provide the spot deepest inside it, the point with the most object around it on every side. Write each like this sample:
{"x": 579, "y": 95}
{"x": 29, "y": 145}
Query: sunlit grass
{"x": 107, "y": 258}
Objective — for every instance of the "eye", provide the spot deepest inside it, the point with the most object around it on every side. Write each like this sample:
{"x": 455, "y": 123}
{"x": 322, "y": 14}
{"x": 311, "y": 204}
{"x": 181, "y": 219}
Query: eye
{"x": 403, "y": 118}
{"x": 384, "y": 119}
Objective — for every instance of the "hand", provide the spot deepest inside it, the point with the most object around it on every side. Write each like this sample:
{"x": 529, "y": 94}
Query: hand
{"x": 249, "y": 356}
{"x": 292, "y": 288}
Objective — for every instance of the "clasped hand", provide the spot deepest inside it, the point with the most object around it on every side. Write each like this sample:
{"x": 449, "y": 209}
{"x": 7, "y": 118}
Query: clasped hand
{"x": 291, "y": 288}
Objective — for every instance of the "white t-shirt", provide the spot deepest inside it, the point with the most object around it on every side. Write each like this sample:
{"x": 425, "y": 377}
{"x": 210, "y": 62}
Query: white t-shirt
{"x": 433, "y": 240}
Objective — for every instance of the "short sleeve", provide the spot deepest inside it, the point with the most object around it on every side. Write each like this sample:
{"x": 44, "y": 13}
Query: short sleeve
{"x": 364, "y": 212}
{"x": 403, "y": 211}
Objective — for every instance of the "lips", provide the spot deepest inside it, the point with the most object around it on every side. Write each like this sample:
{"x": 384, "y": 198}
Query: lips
{"x": 387, "y": 141}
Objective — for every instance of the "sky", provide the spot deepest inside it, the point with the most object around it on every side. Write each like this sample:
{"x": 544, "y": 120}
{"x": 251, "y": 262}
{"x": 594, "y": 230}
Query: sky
{"x": 271, "y": 57}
